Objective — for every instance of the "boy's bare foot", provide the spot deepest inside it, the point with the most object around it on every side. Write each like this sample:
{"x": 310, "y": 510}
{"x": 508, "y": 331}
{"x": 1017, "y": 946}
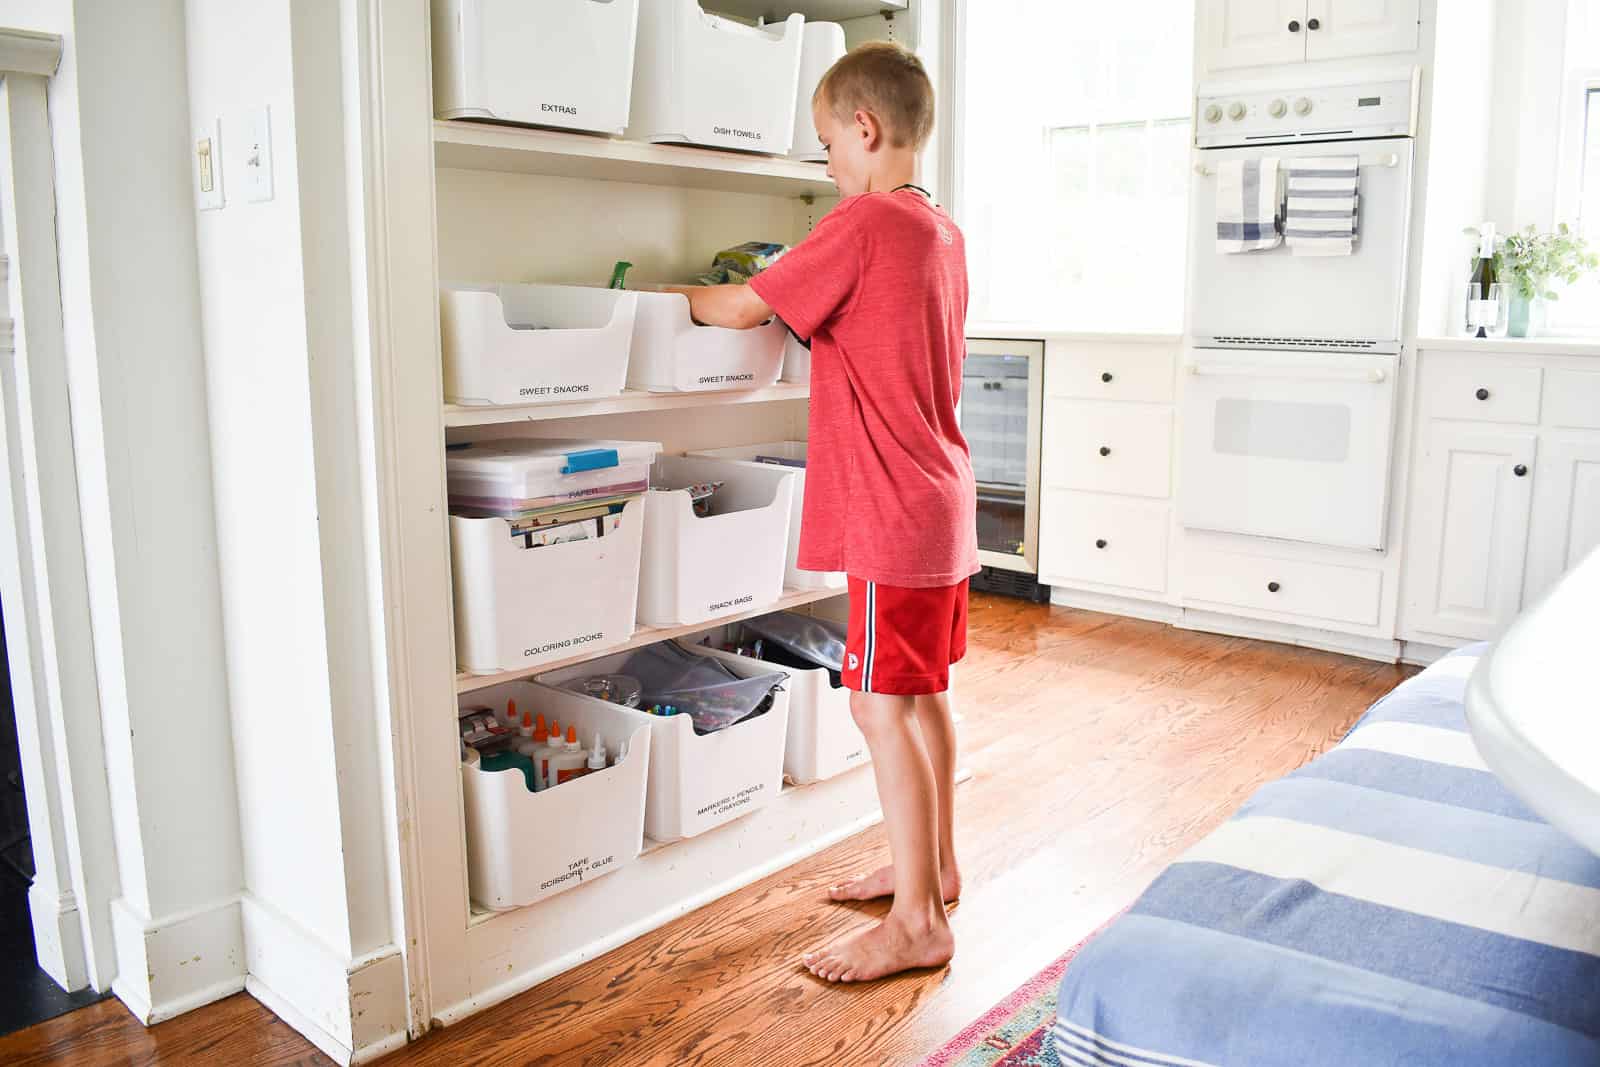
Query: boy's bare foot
{"x": 888, "y": 948}
{"x": 880, "y": 883}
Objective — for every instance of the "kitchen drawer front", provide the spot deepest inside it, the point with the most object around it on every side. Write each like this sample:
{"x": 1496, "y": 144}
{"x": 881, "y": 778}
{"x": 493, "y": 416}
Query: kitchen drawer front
{"x": 1341, "y": 594}
{"x": 1137, "y": 372}
{"x": 1103, "y": 540}
{"x": 1108, "y": 448}
{"x": 1572, "y": 399}
{"x": 1456, "y": 388}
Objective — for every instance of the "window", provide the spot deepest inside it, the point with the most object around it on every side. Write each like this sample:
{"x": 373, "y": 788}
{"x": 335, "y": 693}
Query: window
{"x": 1074, "y": 161}
{"x": 1578, "y": 179}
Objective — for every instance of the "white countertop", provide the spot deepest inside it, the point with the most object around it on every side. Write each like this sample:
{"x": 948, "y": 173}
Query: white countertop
{"x": 1038, "y": 331}
{"x": 1538, "y": 346}
{"x": 1533, "y": 709}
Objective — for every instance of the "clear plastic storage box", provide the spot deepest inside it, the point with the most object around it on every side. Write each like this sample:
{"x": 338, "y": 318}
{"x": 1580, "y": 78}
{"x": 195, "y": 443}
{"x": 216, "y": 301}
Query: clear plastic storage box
{"x": 563, "y": 63}
{"x": 508, "y": 476}
{"x": 534, "y": 344}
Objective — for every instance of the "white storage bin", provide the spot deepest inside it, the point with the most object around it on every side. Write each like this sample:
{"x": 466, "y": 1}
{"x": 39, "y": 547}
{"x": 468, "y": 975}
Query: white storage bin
{"x": 531, "y": 344}
{"x": 520, "y": 607}
{"x": 708, "y": 80}
{"x": 695, "y": 568}
{"x": 794, "y": 577}
{"x": 522, "y": 846}
{"x": 672, "y": 354}
{"x": 822, "y": 46}
{"x": 698, "y": 783}
{"x": 564, "y": 63}
{"x": 822, "y": 739}
{"x": 796, "y": 362}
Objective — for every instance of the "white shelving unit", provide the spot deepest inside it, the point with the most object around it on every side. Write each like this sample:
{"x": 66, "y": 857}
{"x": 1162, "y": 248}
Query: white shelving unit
{"x": 473, "y": 203}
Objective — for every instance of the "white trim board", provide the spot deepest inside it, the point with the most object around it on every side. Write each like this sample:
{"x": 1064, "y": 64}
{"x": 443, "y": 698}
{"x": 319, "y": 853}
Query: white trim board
{"x": 180, "y": 963}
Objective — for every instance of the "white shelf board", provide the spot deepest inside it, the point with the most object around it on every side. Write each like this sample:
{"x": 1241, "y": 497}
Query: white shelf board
{"x": 813, "y": 10}
{"x": 645, "y": 635}
{"x": 517, "y": 150}
{"x": 631, "y": 401}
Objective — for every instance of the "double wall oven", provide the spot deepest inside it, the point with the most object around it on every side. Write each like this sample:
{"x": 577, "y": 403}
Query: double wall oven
{"x": 1289, "y": 385}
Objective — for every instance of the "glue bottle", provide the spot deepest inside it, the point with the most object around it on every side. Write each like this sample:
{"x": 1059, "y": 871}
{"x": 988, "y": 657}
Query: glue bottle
{"x": 546, "y": 746}
{"x": 570, "y": 763}
{"x": 597, "y": 756}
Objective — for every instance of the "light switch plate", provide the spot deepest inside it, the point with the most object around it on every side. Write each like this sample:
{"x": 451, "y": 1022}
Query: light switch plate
{"x": 205, "y": 161}
{"x": 258, "y": 156}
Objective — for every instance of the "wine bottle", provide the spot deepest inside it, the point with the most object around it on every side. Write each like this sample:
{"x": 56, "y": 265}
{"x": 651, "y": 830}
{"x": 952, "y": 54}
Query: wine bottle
{"x": 1484, "y": 310}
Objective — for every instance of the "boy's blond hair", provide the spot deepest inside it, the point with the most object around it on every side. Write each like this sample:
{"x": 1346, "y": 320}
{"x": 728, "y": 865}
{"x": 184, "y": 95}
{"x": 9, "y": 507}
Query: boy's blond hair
{"x": 888, "y": 80}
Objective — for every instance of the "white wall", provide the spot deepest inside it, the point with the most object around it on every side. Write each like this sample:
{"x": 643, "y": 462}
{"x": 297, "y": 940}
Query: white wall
{"x": 136, "y": 382}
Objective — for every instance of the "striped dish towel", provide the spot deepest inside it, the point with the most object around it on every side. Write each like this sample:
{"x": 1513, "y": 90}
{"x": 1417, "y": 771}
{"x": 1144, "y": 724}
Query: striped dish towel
{"x": 1324, "y": 204}
{"x": 1248, "y": 202}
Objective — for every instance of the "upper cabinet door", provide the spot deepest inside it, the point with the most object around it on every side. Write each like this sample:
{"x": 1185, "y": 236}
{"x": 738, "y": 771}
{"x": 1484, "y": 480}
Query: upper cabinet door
{"x": 1341, "y": 29}
{"x": 1253, "y": 33}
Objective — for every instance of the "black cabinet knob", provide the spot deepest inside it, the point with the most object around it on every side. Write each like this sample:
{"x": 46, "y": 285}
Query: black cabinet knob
{"x": 1104, "y": 451}
{"x": 1520, "y": 470}
{"x": 1273, "y": 587}
{"x": 1100, "y": 543}
{"x": 1105, "y": 376}
{"x": 1314, "y": 24}
{"x": 1482, "y": 394}
{"x": 1294, "y": 26}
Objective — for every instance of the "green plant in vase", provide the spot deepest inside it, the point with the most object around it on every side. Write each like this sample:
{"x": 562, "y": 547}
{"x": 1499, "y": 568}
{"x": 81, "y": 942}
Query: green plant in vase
{"x": 1532, "y": 264}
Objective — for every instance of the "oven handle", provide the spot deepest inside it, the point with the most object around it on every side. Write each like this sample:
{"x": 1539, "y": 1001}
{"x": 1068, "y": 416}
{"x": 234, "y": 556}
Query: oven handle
{"x": 1376, "y": 375}
{"x": 1388, "y": 160}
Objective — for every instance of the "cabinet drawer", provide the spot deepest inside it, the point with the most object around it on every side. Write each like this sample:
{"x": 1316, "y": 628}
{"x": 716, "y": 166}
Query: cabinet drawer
{"x": 1474, "y": 389}
{"x": 1277, "y": 586}
{"x": 1572, "y": 399}
{"x": 1103, "y": 540}
{"x": 1139, "y": 372}
{"x": 1108, "y": 448}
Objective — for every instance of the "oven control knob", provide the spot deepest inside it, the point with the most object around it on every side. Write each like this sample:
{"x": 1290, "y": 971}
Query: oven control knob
{"x": 1236, "y": 111}
{"x": 1302, "y": 106}
{"x": 1213, "y": 113}
{"x": 1278, "y": 109}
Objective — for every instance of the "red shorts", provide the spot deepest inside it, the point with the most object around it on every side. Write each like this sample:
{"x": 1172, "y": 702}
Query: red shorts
{"x": 902, "y": 641}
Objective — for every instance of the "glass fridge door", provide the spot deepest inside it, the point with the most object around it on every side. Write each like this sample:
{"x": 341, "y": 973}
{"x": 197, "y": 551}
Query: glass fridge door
{"x": 1000, "y": 415}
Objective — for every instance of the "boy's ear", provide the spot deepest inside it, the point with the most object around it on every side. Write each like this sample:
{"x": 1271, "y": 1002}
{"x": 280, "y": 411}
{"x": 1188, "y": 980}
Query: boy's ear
{"x": 869, "y": 129}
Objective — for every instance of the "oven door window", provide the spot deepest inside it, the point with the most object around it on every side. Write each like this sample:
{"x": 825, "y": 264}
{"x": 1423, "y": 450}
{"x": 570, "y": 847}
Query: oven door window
{"x": 1306, "y": 432}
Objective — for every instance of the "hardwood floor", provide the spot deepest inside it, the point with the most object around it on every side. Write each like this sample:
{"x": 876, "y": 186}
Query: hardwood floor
{"x": 1101, "y": 748}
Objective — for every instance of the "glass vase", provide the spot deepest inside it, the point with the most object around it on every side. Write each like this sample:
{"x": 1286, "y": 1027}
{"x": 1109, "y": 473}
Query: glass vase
{"x": 1527, "y": 314}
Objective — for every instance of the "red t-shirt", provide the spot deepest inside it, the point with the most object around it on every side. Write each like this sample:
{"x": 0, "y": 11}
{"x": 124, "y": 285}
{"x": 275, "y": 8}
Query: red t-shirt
{"x": 880, "y": 290}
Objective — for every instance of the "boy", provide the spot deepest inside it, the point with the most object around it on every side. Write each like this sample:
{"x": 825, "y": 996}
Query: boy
{"x": 880, "y": 290}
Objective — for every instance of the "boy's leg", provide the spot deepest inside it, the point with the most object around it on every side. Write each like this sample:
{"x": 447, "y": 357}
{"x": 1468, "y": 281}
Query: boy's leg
{"x": 916, "y": 932}
{"x": 937, "y": 727}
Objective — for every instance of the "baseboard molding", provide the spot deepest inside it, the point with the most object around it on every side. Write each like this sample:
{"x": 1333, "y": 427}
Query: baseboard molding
{"x": 58, "y": 935}
{"x": 1422, "y": 653}
{"x": 1109, "y": 604}
{"x": 1384, "y": 650}
{"x": 351, "y": 1011}
{"x": 175, "y": 964}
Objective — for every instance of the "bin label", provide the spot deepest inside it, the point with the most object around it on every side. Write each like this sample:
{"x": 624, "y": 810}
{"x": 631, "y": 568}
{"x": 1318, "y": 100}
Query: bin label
{"x": 561, "y": 109}
{"x": 731, "y": 131}
{"x": 730, "y": 803}
{"x": 553, "y": 390}
{"x": 569, "y": 642}
{"x": 729, "y": 605}
{"x": 723, "y": 379}
{"x": 577, "y": 869}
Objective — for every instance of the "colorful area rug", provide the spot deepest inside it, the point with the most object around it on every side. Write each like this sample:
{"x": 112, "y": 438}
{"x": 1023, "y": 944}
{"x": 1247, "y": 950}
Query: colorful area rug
{"x": 1015, "y": 1032}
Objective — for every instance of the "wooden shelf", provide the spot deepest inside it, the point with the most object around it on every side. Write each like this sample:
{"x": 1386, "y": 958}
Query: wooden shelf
{"x": 813, "y": 10}
{"x": 516, "y": 150}
{"x": 631, "y": 400}
{"x": 646, "y": 635}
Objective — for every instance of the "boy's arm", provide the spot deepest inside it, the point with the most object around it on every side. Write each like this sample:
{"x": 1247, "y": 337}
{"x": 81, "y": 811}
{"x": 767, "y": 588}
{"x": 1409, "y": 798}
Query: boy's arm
{"x": 737, "y": 307}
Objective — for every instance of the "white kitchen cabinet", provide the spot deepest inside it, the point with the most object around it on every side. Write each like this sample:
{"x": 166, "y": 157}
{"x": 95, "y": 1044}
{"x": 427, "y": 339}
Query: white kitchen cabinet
{"x": 1345, "y": 29}
{"x": 1471, "y": 511}
{"x": 1566, "y": 508}
{"x": 1253, "y": 33}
